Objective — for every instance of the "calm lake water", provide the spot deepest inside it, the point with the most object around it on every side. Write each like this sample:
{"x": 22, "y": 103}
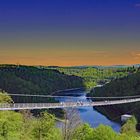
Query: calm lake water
{"x": 88, "y": 114}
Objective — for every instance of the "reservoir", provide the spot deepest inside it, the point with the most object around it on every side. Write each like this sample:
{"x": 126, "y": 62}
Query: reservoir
{"x": 88, "y": 114}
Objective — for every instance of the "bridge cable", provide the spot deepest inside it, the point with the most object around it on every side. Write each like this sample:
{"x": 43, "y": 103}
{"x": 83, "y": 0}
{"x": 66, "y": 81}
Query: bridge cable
{"x": 50, "y": 96}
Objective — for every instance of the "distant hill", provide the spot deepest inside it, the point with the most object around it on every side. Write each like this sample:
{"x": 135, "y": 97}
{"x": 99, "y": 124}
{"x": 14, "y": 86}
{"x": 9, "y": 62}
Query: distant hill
{"x": 116, "y": 66}
{"x": 92, "y": 66}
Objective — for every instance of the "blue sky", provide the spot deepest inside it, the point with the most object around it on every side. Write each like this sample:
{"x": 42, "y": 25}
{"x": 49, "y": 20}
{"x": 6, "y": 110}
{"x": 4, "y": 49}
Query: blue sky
{"x": 65, "y": 32}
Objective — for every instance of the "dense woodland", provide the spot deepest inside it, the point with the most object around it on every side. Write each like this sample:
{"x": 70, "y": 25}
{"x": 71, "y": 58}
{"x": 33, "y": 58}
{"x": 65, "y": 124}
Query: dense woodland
{"x": 23, "y": 126}
{"x": 32, "y": 80}
{"x": 97, "y": 75}
{"x": 126, "y": 86}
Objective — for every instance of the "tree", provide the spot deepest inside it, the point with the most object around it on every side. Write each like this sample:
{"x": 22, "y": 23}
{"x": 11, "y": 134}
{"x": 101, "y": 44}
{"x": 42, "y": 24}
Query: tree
{"x": 28, "y": 120}
{"x": 104, "y": 133}
{"x": 83, "y": 132}
{"x": 129, "y": 127}
{"x": 72, "y": 121}
{"x": 4, "y": 98}
{"x": 44, "y": 128}
{"x": 11, "y": 124}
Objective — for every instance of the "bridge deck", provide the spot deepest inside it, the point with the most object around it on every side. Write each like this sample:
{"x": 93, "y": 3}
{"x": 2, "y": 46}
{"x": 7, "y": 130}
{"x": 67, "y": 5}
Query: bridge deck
{"x": 31, "y": 106}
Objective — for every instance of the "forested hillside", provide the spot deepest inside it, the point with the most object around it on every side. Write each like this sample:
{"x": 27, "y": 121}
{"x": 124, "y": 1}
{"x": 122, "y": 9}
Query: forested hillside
{"x": 93, "y": 76}
{"x": 32, "y": 80}
{"x": 129, "y": 85}
{"x": 126, "y": 86}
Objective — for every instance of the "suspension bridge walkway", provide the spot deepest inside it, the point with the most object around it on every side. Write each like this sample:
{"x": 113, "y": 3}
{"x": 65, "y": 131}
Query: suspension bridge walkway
{"x": 32, "y": 106}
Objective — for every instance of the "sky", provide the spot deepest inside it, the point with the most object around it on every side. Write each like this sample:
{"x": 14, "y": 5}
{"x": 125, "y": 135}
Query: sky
{"x": 70, "y": 32}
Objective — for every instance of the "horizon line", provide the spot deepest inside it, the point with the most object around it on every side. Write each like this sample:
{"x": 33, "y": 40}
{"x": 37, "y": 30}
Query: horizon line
{"x": 70, "y": 65}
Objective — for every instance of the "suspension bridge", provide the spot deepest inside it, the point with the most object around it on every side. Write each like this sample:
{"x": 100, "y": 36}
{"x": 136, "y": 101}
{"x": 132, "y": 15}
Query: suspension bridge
{"x": 32, "y": 106}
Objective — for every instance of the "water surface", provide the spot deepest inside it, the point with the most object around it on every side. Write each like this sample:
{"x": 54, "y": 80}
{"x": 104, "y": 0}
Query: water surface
{"x": 88, "y": 114}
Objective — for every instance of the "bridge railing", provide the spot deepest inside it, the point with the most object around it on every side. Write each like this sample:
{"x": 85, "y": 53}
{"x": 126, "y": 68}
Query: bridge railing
{"x": 16, "y": 106}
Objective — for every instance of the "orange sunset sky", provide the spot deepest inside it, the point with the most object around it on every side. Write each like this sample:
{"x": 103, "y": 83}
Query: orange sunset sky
{"x": 67, "y": 33}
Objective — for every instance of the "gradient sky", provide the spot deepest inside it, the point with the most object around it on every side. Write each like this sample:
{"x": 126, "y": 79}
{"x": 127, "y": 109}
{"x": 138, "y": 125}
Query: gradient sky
{"x": 70, "y": 32}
